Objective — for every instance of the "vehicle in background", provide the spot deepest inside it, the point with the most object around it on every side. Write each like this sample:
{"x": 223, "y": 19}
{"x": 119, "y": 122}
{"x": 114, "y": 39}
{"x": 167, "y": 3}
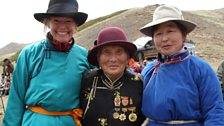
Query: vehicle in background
{"x": 145, "y": 49}
{"x": 190, "y": 46}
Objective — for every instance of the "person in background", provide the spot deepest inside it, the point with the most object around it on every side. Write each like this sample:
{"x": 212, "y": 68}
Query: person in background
{"x": 111, "y": 95}
{"x": 220, "y": 74}
{"x": 46, "y": 81}
{"x": 8, "y": 67}
{"x": 179, "y": 88}
{"x": 138, "y": 68}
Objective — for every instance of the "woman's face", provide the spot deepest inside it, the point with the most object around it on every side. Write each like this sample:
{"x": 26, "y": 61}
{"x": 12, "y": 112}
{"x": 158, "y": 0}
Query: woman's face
{"x": 113, "y": 60}
{"x": 168, "y": 38}
{"x": 62, "y": 28}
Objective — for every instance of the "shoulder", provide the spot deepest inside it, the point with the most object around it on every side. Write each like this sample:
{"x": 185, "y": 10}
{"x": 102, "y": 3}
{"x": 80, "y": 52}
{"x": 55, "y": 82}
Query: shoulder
{"x": 149, "y": 68}
{"x": 80, "y": 48}
{"x": 32, "y": 49}
{"x": 34, "y": 46}
{"x": 134, "y": 76}
{"x": 199, "y": 64}
{"x": 90, "y": 73}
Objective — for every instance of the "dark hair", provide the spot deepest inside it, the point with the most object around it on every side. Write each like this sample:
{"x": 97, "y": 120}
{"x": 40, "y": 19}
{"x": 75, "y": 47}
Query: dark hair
{"x": 179, "y": 25}
{"x": 6, "y": 59}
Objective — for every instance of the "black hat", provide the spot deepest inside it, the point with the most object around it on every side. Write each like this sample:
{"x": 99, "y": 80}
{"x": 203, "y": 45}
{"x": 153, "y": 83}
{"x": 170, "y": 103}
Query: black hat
{"x": 67, "y": 8}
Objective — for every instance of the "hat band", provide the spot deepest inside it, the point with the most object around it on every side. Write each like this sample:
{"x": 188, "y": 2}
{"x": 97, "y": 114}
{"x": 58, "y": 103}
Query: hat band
{"x": 62, "y": 8}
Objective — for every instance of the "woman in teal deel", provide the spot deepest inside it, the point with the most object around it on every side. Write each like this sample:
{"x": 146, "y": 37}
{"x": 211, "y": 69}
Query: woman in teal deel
{"x": 46, "y": 80}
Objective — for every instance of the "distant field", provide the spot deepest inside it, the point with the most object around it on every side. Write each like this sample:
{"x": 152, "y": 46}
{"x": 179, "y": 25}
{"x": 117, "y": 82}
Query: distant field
{"x": 6, "y": 56}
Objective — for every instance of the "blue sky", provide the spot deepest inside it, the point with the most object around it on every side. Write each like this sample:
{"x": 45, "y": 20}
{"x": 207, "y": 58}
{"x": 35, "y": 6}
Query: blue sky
{"x": 18, "y": 25}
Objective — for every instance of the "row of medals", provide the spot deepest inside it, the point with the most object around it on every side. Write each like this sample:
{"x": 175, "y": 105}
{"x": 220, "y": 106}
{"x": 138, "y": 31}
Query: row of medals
{"x": 124, "y": 101}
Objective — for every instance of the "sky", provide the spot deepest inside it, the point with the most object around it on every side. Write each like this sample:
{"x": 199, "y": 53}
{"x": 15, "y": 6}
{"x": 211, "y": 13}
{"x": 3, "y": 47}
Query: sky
{"x": 18, "y": 24}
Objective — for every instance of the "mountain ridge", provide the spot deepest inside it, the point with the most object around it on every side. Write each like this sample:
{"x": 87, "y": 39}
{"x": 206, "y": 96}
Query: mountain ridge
{"x": 208, "y": 35}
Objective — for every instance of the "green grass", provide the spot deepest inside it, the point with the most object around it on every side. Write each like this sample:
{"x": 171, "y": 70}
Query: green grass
{"x": 100, "y": 19}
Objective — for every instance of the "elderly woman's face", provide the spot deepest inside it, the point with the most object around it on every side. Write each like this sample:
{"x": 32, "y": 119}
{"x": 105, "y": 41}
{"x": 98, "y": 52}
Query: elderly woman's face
{"x": 113, "y": 60}
{"x": 168, "y": 38}
{"x": 62, "y": 28}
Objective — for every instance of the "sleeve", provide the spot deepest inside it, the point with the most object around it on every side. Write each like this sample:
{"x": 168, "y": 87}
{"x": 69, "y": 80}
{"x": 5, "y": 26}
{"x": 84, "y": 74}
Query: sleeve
{"x": 147, "y": 72}
{"x": 15, "y": 105}
{"x": 212, "y": 106}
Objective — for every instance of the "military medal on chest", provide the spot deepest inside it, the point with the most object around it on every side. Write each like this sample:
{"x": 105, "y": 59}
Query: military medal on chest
{"x": 123, "y": 116}
{"x": 116, "y": 114}
{"x": 132, "y": 116}
{"x": 125, "y": 100}
{"x": 117, "y": 99}
{"x": 102, "y": 121}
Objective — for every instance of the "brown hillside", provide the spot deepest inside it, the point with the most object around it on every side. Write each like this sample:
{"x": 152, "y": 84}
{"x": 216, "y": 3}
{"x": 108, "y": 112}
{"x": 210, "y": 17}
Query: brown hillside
{"x": 208, "y": 36}
{"x": 11, "y": 48}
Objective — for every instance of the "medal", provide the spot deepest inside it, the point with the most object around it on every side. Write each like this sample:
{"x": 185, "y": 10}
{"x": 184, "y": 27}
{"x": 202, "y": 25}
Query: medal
{"x": 117, "y": 99}
{"x": 102, "y": 121}
{"x": 116, "y": 115}
{"x": 131, "y": 101}
{"x": 132, "y": 117}
{"x": 124, "y": 100}
{"x": 122, "y": 117}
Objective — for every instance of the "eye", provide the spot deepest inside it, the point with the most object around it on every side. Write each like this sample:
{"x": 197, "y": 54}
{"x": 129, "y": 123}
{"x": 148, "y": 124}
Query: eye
{"x": 69, "y": 21}
{"x": 55, "y": 20}
{"x": 171, "y": 30}
{"x": 158, "y": 34}
{"x": 106, "y": 52}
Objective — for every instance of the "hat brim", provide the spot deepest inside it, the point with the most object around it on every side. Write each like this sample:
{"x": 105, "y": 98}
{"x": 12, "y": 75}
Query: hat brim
{"x": 92, "y": 55}
{"x": 79, "y": 17}
{"x": 147, "y": 29}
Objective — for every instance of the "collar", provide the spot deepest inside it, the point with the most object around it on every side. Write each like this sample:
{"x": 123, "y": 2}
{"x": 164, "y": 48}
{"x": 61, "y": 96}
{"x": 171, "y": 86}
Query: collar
{"x": 62, "y": 47}
{"x": 178, "y": 57}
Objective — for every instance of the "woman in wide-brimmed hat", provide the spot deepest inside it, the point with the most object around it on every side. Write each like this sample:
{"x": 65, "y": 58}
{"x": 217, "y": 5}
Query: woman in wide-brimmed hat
{"x": 111, "y": 95}
{"x": 46, "y": 81}
{"x": 179, "y": 88}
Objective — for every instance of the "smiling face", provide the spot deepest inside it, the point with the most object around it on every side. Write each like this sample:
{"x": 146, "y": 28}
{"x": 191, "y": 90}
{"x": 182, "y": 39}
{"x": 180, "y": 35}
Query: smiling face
{"x": 113, "y": 60}
{"x": 62, "y": 28}
{"x": 168, "y": 38}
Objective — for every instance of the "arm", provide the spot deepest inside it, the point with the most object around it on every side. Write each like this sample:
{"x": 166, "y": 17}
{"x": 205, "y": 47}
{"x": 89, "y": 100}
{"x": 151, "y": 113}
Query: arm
{"x": 16, "y": 106}
{"x": 212, "y": 105}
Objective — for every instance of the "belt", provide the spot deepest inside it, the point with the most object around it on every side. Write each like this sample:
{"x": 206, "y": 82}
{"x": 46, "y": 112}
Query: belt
{"x": 75, "y": 113}
{"x": 173, "y": 122}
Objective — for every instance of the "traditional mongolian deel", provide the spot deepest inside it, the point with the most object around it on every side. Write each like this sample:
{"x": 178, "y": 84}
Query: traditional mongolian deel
{"x": 180, "y": 91}
{"x": 118, "y": 103}
{"x": 44, "y": 86}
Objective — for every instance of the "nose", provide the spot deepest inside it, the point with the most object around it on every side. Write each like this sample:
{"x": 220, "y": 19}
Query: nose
{"x": 164, "y": 37}
{"x": 62, "y": 24}
{"x": 113, "y": 57}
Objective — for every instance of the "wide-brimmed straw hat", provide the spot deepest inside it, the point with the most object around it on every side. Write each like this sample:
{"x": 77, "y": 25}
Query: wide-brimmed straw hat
{"x": 110, "y": 36}
{"x": 67, "y": 8}
{"x": 166, "y": 13}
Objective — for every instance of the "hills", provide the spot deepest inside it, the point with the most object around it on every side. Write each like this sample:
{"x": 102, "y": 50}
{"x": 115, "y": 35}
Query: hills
{"x": 11, "y": 48}
{"x": 208, "y": 36}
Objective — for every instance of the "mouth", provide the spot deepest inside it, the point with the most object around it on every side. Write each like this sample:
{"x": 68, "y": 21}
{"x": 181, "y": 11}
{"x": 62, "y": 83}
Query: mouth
{"x": 113, "y": 66}
{"x": 166, "y": 46}
{"x": 62, "y": 33}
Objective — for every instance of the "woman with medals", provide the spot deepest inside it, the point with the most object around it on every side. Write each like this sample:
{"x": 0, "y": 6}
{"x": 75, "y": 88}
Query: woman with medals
{"x": 110, "y": 95}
